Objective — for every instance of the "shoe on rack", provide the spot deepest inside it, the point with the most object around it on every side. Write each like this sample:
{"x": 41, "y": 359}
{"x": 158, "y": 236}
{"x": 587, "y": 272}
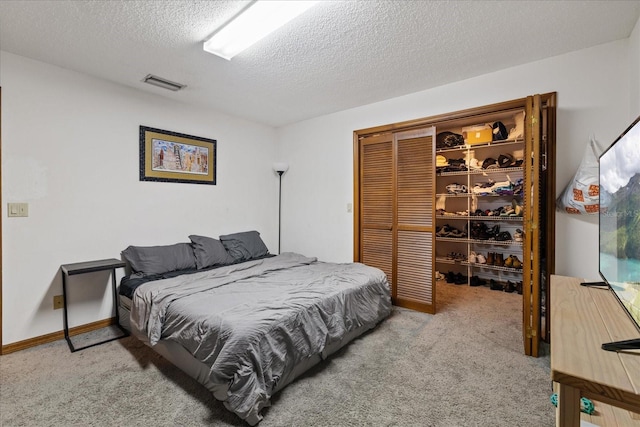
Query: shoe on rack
{"x": 503, "y": 236}
{"x": 473, "y": 258}
{"x": 516, "y": 262}
{"x": 517, "y": 209}
{"x": 510, "y": 287}
{"x": 518, "y": 236}
{"x": 519, "y": 288}
{"x": 480, "y": 259}
{"x": 490, "y": 258}
{"x": 509, "y": 261}
{"x": 450, "y": 277}
{"x": 456, "y": 188}
{"x": 498, "y": 260}
{"x": 443, "y": 231}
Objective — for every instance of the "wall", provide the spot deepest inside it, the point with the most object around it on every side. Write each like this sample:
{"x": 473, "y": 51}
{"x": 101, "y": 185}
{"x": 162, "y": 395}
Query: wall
{"x": 593, "y": 99}
{"x": 70, "y": 149}
{"x": 634, "y": 69}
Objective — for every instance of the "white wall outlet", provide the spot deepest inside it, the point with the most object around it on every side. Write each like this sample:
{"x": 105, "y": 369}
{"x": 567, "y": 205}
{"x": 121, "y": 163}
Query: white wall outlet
{"x": 18, "y": 209}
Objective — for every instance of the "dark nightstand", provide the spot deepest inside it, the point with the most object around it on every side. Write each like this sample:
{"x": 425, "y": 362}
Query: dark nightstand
{"x": 90, "y": 267}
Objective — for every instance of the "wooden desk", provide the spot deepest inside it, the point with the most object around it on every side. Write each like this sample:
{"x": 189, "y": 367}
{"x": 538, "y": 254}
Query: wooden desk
{"x": 582, "y": 319}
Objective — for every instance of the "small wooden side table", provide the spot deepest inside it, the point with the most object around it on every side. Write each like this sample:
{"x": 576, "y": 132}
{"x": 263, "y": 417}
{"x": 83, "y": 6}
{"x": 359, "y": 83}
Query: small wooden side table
{"x": 90, "y": 267}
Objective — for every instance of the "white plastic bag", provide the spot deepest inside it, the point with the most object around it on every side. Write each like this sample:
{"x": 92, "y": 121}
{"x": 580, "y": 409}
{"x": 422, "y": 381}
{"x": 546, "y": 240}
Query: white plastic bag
{"x": 582, "y": 194}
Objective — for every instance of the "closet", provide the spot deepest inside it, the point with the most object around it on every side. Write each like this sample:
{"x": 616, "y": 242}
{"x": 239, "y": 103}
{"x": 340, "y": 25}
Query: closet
{"x": 425, "y": 204}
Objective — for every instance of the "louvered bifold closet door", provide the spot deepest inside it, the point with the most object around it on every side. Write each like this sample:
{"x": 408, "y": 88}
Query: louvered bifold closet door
{"x": 415, "y": 198}
{"x": 376, "y": 203}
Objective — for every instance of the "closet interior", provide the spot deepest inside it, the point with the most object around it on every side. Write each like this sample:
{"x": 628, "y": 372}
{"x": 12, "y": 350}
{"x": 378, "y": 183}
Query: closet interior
{"x": 463, "y": 198}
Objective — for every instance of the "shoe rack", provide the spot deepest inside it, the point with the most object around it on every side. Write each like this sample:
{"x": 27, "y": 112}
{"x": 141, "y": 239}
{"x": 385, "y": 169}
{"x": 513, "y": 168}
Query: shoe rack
{"x": 479, "y": 207}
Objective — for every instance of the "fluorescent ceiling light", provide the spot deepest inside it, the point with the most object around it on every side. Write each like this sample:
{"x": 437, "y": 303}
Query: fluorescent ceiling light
{"x": 257, "y": 21}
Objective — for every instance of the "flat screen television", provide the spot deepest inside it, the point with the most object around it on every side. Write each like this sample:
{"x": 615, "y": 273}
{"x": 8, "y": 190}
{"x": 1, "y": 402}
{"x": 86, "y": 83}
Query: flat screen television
{"x": 619, "y": 226}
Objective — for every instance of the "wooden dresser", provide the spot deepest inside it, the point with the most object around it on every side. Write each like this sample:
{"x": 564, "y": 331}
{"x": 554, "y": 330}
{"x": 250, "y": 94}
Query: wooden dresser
{"x": 583, "y": 318}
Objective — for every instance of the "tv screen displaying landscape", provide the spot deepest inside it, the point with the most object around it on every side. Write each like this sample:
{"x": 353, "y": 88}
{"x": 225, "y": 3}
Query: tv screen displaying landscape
{"x": 620, "y": 219}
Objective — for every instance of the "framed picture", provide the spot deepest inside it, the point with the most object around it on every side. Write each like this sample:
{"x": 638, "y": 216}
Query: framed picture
{"x": 175, "y": 157}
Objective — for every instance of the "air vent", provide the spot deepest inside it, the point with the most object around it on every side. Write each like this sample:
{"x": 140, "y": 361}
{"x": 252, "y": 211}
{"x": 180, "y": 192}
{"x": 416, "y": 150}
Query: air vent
{"x": 163, "y": 83}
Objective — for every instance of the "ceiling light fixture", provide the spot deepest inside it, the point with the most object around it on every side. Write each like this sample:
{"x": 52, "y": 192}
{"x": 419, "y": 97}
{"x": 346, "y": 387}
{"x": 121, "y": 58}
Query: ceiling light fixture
{"x": 257, "y": 21}
{"x": 163, "y": 83}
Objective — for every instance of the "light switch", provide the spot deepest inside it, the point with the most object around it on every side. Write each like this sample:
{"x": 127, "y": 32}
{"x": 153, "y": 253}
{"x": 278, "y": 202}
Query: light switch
{"x": 18, "y": 209}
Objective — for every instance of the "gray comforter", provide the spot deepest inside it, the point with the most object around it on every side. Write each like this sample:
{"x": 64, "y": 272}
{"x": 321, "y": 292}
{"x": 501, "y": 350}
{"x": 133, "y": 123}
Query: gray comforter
{"x": 251, "y": 323}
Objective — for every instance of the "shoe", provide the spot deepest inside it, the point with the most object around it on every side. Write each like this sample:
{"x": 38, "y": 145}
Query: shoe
{"x": 480, "y": 259}
{"x": 511, "y": 287}
{"x": 498, "y": 260}
{"x": 490, "y": 258}
{"x": 476, "y": 281}
{"x": 472, "y": 258}
{"x": 509, "y": 262}
{"x": 495, "y": 286}
{"x": 516, "y": 262}
{"x": 519, "y": 288}
{"x": 517, "y": 209}
{"x": 456, "y": 188}
{"x": 443, "y": 231}
{"x": 518, "y": 236}
{"x": 450, "y": 277}
{"x": 460, "y": 279}
{"x": 504, "y": 236}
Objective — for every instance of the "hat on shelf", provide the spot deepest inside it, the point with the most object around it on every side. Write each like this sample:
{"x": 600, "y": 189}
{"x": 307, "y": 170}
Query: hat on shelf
{"x": 448, "y": 140}
{"x": 441, "y": 161}
{"x": 475, "y": 164}
{"x": 505, "y": 160}
{"x": 489, "y": 163}
{"x": 499, "y": 131}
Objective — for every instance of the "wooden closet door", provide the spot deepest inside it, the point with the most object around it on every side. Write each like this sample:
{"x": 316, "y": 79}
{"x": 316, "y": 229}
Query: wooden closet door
{"x": 533, "y": 207}
{"x": 414, "y": 227}
{"x": 376, "y": 203}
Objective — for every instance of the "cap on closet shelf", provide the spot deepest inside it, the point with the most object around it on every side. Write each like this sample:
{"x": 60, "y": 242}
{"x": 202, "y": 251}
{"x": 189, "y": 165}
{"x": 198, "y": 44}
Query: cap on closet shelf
{"x": 505, "y": 160}
{"x": 441, "y": 161}
{"x": 490, "y": 163}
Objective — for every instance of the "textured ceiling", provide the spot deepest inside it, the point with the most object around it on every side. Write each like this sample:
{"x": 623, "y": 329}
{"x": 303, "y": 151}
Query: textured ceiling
{"x": 338, "y": 55}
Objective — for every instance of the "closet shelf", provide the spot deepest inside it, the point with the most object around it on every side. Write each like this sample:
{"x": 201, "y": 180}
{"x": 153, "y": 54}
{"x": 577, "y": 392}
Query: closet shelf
{"x": 481, "y": 217}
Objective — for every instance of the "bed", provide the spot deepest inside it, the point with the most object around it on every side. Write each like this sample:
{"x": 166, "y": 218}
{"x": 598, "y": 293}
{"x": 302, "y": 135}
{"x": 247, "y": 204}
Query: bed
{"x": 242, "y": 322}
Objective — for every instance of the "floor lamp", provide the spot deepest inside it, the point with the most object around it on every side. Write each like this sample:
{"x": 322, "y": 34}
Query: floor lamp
{"x": 280, "y": 169}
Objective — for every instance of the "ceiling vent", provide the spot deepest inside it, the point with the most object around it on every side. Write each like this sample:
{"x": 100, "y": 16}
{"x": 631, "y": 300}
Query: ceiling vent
{"x": 163, "y": 83}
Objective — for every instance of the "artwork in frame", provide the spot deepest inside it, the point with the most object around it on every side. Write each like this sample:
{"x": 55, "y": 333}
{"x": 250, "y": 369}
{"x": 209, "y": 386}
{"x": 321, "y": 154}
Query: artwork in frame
{"x": 175, "y": 157}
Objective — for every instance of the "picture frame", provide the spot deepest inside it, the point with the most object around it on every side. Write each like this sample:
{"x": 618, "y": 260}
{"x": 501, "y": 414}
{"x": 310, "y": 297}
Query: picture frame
{"x": 167, "y": 156}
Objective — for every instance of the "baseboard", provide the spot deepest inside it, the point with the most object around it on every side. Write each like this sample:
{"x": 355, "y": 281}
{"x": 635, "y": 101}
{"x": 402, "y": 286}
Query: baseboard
{"x": 55, "y": 336}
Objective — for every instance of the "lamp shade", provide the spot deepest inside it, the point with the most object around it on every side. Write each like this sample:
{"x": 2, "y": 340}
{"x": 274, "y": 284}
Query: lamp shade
{"x": 281, "y": 167}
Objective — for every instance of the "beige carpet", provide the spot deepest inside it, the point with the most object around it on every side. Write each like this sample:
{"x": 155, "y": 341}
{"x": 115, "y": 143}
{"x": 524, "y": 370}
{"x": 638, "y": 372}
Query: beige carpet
{"x": 461, "y": 367}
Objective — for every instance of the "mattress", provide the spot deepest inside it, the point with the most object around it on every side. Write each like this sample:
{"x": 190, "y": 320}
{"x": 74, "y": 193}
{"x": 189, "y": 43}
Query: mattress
{"x": 247, "y": 330}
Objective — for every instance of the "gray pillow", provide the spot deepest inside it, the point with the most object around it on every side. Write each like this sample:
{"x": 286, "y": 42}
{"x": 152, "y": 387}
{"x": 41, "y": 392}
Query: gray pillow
{"x": 160, "y": 259}
{"x": 209, "y": 252}
{"x": 244, "y": 246}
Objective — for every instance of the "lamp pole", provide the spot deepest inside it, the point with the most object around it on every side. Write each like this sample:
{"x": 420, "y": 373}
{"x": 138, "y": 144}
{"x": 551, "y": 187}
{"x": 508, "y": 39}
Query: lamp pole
{"x": 280, "y": 168}
{"x": 279, "y": 207}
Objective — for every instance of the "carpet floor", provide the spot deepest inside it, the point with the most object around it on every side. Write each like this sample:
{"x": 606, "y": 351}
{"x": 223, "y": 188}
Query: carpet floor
{"x": 462, "y": 367}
